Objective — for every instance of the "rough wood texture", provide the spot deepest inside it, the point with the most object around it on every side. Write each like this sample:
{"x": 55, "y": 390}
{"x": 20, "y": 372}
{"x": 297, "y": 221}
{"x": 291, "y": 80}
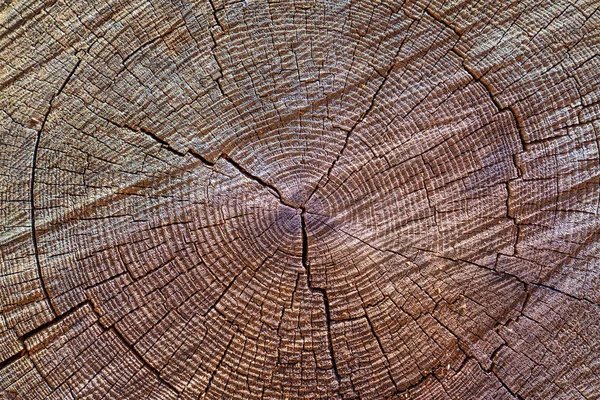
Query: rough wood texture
{"x": 304, "y": 199}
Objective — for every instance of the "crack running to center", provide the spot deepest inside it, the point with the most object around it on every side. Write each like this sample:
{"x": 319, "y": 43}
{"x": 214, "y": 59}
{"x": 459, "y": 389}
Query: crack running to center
{"x": 306, "y": 265}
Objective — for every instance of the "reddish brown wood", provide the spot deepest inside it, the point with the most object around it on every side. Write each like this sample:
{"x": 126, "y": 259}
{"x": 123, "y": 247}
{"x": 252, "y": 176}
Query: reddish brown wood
{"x": 309, "y": 199}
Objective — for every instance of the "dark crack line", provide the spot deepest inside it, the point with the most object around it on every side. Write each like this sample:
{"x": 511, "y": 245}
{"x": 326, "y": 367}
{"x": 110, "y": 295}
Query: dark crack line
{"x": 163, "y": 143}
{"x": 412, "y": 386}
{"x": 136, "y": 354}
{"x": 510, "y": 215}
{"x": 323, "y": 293}
{"x": 21, "y": 339}
{"x": 305, "y": 263}
{"x": 55, "y": 321}
{"x": 386, "y": 77}
{"x": 216, "y": 370}
{"x": 518, "y": 120}
{"x": 572, "y": 297}
{"x": 14, "y": 358}
{"x": 61, "y": 317}
{"x": 167, "y": 146}
{"x": 491, "y": 370}
{"x": 510, "y": 109}
{"x": 380, "y": 345}
{"x": 202, "y": 159}
{"x": 520, "y": 280}
{"x": 214, "y": 12}
{"x": 234, "y": 280}
{"x": 32, "y": 187}
{"x": 475, "y": 78}
{"x": 274, "y": 190}
{"x": 214, "y": 37}
{"x": 271, "y": 188}
{"x": 151, "y": 41}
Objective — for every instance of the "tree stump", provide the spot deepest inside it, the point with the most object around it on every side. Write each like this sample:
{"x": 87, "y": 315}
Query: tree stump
{"x": 299, "y": 200}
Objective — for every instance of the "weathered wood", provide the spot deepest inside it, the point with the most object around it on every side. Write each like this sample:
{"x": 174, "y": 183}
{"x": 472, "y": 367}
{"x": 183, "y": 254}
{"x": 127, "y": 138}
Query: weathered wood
{"x": 300, "y": 199}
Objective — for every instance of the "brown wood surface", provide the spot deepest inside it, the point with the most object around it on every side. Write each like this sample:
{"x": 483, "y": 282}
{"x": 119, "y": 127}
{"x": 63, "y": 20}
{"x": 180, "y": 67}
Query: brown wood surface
{"x": 299, "y": 200}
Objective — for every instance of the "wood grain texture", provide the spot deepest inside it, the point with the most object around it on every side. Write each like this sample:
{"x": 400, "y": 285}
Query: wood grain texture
{"x": 299, "y": 200}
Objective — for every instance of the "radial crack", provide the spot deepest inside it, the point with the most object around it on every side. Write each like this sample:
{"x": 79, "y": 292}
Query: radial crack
{"x": 167, "y": 146}
{"x": 273, "y": 189}
{"x": 462, "y": 56}
{"x": 510, "y": 109}
{"x": 380, "y": 345}
{"x": 139, "y": 357}
{"x": 322, "y": 292}
{"x": 151, "y": 41}
{"x": 59, "y": 318}
{"x": 218, "y": 366}
{"x": 12, "y": 359}
{"x": 359, "y": 120}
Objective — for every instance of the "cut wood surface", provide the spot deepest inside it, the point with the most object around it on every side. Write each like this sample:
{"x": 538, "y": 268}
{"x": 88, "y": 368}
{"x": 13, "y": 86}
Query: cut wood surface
{"x": 299, "y": 200}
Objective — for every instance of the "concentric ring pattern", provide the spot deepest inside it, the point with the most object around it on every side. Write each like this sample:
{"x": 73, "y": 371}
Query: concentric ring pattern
{"x": 307, "y": 199}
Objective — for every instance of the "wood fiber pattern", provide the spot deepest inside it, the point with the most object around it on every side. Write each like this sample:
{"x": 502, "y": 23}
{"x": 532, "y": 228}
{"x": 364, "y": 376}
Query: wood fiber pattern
{"x": 299, "y": 199}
